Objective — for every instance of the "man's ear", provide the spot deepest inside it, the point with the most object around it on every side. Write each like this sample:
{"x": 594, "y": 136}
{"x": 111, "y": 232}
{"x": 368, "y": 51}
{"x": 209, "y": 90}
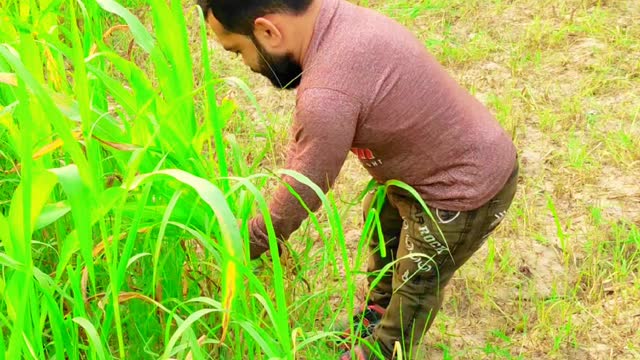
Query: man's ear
{"x": 268, "y": 34}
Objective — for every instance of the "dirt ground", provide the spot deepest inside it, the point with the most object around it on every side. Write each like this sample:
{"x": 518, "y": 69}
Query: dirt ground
{"x": 564, "y": 79}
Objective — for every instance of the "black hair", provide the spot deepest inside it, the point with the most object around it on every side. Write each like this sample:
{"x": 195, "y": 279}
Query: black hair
{"x": 237, "y": 16}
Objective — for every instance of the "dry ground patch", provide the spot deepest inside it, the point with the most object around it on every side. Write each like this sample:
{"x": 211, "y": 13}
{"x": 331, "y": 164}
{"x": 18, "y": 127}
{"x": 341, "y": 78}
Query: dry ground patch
{"x": 560, "y": 278}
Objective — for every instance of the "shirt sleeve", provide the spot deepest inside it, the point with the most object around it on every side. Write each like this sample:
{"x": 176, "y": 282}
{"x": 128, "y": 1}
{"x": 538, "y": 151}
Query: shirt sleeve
{"x": 322, "y": 135}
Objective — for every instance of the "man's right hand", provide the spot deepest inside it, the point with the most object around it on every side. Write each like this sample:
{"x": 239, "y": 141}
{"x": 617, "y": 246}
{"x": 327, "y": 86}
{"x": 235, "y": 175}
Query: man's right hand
{"x": 257, "y": 249}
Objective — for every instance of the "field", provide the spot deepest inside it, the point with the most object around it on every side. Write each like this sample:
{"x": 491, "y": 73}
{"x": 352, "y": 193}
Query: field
{"x": 128, "y": 155}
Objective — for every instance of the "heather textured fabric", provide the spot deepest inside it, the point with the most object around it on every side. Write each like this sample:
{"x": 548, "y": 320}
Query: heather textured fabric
{"x": 371, "y": 88}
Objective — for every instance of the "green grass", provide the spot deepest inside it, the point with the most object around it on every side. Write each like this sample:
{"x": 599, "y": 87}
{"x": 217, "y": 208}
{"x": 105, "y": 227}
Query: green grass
{"x": 98, "y": 239}
{"x": 124, "y": 171}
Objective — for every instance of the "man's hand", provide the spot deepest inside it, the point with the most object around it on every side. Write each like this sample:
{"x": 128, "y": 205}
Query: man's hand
{"x": 257, "y": 249}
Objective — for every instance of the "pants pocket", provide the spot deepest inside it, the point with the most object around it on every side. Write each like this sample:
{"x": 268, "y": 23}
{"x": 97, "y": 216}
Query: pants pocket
{"x": 498, "y": 207}
{"x": 428, "y": 244}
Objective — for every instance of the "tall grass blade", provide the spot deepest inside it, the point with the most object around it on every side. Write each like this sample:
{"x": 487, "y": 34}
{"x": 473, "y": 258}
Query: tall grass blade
{"x": 94, "y": 338}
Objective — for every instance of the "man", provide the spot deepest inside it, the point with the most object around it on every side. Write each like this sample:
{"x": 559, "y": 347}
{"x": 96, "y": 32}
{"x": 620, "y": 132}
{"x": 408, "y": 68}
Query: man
{"x": 365, "y": 84}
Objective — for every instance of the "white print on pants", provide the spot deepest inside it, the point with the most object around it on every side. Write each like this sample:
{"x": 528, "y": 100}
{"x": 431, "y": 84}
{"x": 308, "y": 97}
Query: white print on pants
{"x": 421, "y": 261}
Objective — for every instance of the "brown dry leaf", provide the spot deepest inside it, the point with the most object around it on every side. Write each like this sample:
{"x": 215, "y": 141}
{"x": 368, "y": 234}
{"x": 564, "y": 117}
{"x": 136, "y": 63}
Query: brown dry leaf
{"x": 118, "y": 146}
{"x": 56, "y": 144}
{"x": 227, "y": 299}
{"x": 201, "y": 340}
{"x": 98, "y": 250}
{"x": 47, "y": 149}
{"x": 9, "y": 79}
{"x": 77, "y": 134}
{"x": 122, "y": 298}
{"x": 107, "y": 34}
{"x": 53, "y": 70}
{"x": 185, "y": 280}
{"x": 14, "y": 169}
{"x": 113, "y": 29}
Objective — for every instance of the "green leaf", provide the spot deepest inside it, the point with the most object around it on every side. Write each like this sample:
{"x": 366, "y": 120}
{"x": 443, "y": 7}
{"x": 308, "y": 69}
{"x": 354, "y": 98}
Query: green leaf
{"x": 213, "y": 197}
{"x": 5, "y": 234}
{"x": 139, "y": 32}
{"x": 41, "y": 185}
{"x": 49, "y": 107}
{"x": 82, "y": 205}
{"x": 93, "y": 337}
{"x": 184, "y": 327}
{"x": 6, "y": 260}
{"x": 52, "y": 213}
{"x": 71, "y": 244}
{"x": 231, "y": 240}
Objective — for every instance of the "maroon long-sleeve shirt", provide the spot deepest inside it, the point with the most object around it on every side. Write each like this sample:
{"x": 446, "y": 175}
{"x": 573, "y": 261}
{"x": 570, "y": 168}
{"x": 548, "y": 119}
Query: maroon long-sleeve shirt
{"x": 371, "y": 88}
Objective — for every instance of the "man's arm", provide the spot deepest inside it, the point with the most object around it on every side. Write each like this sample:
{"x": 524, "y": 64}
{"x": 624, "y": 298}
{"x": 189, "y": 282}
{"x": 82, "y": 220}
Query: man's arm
{"x": 323, "y": 131}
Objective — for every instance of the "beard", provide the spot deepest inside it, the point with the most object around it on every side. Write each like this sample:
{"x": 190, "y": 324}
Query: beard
{"x": 283, "y": 71}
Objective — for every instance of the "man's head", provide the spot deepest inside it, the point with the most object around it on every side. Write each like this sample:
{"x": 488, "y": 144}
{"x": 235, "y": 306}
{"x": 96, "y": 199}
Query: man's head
{"x": 263, "y": 32}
